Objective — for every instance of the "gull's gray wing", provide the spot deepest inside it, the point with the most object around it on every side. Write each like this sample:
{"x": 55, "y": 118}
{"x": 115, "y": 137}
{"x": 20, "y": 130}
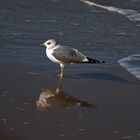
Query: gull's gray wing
{"x": 68, "y": 55}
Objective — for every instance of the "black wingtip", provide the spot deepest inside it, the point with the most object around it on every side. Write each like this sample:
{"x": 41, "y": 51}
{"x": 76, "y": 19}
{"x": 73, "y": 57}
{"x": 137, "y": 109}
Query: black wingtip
{"x": 102, "y": 61}
{"x": 91, "y": 60}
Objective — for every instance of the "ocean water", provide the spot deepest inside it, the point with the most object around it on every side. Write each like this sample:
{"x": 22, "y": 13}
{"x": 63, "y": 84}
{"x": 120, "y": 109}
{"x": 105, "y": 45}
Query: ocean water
{"x": 132, "y": 64}
{"x": 131, "y": 14}
{"x": 107, "y": 30}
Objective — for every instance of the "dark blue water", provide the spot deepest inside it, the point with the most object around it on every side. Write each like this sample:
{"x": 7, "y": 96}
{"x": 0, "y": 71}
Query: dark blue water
{"x": 24, "y": 24}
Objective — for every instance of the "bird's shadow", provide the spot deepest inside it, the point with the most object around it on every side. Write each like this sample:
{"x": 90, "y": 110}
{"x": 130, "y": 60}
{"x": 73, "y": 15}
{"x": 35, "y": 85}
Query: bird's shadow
{"x": 58, "y": 98}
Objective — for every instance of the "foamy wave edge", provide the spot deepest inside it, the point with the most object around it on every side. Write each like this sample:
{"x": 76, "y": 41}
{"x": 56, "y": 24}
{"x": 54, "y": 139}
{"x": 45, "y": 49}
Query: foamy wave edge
{"x": 129, "y": 64}
{"x": 131, "y": 14}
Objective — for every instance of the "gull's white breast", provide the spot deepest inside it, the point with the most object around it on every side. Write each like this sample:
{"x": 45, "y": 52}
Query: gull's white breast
{"x": 49, "y": 53}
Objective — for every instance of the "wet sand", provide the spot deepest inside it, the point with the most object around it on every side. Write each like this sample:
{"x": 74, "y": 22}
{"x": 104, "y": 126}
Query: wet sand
{"x": 114, "y": 113}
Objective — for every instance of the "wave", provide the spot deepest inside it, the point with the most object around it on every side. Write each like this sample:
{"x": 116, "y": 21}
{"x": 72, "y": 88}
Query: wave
{"x": 132, "y": 64}
{"x": 131, "y": 14}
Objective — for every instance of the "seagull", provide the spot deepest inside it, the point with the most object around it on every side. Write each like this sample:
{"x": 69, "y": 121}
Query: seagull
{"x": 64, "y": 55}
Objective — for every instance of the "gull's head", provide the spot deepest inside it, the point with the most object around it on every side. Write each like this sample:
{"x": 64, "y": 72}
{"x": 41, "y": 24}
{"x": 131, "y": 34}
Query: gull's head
{"x": 49, "y": 43}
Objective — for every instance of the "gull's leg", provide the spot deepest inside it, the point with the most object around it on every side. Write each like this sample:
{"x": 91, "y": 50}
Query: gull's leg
{"x": 62, "y": 71}
{"x": 61, "y": 75}
{"x": 58, "y": 90}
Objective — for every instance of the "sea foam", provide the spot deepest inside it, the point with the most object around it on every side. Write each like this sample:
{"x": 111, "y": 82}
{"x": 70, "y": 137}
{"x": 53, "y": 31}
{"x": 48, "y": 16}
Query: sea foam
{"x": 131, "y": 14}
{"x": 132, "y": 64}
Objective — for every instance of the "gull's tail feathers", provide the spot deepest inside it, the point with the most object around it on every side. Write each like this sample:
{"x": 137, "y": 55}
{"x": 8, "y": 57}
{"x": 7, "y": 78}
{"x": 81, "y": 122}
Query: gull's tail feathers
{"x": 91, "y": 60}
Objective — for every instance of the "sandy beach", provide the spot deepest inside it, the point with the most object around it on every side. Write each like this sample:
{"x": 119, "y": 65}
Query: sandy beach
{"x": 114, "y": 115}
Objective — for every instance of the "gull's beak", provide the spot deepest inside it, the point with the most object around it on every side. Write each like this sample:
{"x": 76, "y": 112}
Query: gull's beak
{"x": 42, "y": 45}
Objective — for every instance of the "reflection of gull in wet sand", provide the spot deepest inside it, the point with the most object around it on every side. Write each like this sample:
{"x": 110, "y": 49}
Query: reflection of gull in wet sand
{"x": 50, "y": 98}
{"x": 58, "y": 98}
{"x": 65, "y": 55}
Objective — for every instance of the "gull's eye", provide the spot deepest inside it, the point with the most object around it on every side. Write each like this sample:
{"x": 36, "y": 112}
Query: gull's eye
{"x": 48, "y": 43}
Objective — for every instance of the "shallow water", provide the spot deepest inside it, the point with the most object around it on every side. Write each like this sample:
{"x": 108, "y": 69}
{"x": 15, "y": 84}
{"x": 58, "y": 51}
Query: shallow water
{"x": 94, "y": 31}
